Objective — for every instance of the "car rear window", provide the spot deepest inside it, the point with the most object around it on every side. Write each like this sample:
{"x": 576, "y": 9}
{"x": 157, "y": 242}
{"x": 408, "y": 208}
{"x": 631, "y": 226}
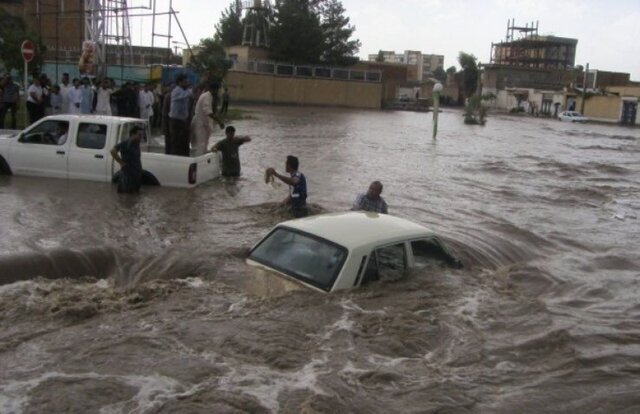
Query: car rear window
{"x": 303, "y": 256}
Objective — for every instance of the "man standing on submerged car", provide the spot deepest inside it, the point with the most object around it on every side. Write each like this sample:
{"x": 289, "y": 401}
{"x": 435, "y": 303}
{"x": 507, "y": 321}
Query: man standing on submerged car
{"x": 297, "y": 198}
{"x": 129, "y": 160}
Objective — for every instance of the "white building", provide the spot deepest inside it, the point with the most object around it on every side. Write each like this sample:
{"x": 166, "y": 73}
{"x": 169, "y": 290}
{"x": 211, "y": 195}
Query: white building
{"x": 426, "y": 63}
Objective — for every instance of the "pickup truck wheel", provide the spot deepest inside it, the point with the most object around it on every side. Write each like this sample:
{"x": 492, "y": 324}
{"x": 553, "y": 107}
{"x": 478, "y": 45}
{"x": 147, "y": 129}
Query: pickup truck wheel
{"x": 149, "y": 179}
{"x": 4, "y": 167}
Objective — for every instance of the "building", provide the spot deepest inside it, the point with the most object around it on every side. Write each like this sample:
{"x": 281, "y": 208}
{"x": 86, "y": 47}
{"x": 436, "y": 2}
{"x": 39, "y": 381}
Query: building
{"x": 426, "y": 64}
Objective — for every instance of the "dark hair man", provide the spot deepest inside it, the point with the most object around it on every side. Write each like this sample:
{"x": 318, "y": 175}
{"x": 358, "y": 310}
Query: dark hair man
{"x": 371, "y": 200}
{"x": 8, "y": 100}
{"x": 178, "y": 116}
{"x": 229, "y": 149}
{"x": 297, "y": 198}
{"x": 129, "y": 160}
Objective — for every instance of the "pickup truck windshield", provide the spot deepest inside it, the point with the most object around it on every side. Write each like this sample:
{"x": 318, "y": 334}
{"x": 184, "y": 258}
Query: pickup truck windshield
{"x": 305, "y": 257}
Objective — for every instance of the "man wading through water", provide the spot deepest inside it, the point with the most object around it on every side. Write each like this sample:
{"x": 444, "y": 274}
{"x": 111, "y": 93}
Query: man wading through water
{"x": 297, "y": 198}
{"x": 129, "y": 160}
{"x": 229, "y": 149}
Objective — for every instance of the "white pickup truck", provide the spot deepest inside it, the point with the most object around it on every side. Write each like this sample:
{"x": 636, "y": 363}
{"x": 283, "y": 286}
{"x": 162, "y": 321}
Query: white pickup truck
{"x": 84, "y": 155}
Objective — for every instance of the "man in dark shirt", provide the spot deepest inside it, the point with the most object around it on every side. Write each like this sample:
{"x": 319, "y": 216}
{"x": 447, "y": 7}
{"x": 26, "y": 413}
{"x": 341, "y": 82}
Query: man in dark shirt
{"x": 297, "y": 198}
{"x": 229, "y": 149}
{"x": 8, "y": 100}
{"x": 129, "y": 160}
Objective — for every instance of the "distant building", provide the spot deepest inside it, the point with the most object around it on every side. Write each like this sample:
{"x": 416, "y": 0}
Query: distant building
{"x": 426, "y": 63}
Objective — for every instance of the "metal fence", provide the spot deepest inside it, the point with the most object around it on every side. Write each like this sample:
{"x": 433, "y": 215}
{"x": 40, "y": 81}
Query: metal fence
{"x": 306, "y": 71}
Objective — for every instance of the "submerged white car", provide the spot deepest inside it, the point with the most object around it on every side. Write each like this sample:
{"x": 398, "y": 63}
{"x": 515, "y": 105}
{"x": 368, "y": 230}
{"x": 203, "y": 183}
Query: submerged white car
{"x": 572, "y": 116}
{"x": 338, "y": 251}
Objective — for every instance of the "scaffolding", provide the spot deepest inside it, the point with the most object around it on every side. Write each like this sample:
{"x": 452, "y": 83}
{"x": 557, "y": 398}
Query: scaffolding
{"x": 524, "y": 47}
{"x": 104, "y": 23}
{"x": 256, "y": 22}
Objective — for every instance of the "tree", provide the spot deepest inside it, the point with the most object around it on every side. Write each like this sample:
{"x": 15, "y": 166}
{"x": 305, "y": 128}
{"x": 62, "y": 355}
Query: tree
{"x": 13, "y": 31}
{"x": 440, "y": 74}
{"x": 338, "y": 48}
{"x": 229, "y": 29}
{"x": 469, "y": 66}
{"x": 380, "y": 57}
{"x": 210, "y": 61}
{"x": 297, "y": 35}
{"x": 451, "y": 70}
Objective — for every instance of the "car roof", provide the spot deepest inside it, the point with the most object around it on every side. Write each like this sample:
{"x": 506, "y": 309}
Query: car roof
{"x": 355, "y": 229}
{"x": 91, "y": 118}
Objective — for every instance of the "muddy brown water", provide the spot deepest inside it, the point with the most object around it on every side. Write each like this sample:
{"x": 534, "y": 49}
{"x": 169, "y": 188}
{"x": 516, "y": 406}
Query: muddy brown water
{"x": 145, "y": 305}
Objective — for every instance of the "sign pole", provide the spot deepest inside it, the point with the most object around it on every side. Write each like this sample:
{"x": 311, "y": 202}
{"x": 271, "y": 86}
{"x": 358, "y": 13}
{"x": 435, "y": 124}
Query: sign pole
{"x": 26, "y": 94}
{"x": 28, "y": 51}
{"x": 437, "y": 88}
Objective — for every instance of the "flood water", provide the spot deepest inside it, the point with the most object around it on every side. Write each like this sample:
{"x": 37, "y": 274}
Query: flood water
{"x": 148, "y": 307}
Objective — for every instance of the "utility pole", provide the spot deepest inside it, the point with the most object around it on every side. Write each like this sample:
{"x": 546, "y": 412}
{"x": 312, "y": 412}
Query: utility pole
{"x": 584, "y": 89}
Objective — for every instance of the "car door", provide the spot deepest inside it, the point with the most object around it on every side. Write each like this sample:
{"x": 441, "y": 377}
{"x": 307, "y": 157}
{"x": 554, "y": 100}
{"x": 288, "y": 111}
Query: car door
{"x": 387, "y": 262}
{"x": 88, "y": 154}
{"x": 37, "y": 153}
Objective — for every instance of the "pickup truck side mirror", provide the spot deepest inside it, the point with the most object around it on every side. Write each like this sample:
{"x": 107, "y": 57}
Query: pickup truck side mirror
{"x": 21, "y": 138}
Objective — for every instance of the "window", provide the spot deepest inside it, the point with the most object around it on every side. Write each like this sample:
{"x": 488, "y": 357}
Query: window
{"x": 305, "y": 257}
{"x": 126, "y": 128}
{"x": 47, "y": 133}
{"x": 430, "y": 251}
{"x": 285, "y": 70}
{"x": 91, "y": 136}
{"x": 386, "y": 262}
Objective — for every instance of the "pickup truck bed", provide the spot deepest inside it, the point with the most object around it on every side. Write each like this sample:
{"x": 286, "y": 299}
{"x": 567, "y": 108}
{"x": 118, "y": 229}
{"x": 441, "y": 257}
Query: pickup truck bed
{"x": 85, "y": 154}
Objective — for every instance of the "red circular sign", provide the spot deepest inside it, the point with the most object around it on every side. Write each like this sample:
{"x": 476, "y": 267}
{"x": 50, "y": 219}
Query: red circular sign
{"x": 28, "y": 50}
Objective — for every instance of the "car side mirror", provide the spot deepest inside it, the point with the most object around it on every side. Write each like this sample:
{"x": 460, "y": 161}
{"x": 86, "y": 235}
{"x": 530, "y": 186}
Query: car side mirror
{"x": 21, "y": 138}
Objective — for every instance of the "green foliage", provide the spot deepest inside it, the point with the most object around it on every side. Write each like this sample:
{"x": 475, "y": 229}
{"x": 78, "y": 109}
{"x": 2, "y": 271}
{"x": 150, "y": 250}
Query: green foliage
{"x": 229, "y": 29}
{"x": 338, "y": 49}
{"x": 210, "y": 60}
{"x": 469, "y": 66}
{"x": 440, "y": 74}
{"x": 451, "y": 70}
{"x": 380, "y": 57}
{"x": 297, "y": 35}
{"x": 474, "y": 112}
{"x": 13, "y": 31}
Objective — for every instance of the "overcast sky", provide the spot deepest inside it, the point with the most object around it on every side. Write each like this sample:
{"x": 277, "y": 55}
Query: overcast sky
{"x": 608, "y": 32}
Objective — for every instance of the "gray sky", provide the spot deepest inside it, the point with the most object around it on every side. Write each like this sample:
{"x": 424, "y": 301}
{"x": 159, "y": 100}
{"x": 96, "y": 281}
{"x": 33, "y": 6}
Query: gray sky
{"x": 608, "y": 32}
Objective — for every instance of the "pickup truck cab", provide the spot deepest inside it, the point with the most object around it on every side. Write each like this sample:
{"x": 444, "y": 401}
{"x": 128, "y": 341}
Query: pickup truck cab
{"x": 85, "y": 153}
{"x": 337, "y": 251}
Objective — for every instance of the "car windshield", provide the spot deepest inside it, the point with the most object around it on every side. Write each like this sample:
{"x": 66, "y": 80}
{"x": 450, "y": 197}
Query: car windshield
{"x": 305, "y": 257}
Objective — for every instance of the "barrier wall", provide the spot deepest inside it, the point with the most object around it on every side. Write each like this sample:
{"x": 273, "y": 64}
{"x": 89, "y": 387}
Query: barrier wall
{"x": 273, "y": 89}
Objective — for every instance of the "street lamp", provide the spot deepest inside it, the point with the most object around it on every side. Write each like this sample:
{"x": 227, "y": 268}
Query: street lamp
{"x": 437, "y": 88}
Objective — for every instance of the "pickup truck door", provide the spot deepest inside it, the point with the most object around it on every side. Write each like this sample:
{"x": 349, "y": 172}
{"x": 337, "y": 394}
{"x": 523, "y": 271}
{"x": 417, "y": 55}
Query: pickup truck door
{"x": 88, "y": 153}
{"x": 37, "y": 152}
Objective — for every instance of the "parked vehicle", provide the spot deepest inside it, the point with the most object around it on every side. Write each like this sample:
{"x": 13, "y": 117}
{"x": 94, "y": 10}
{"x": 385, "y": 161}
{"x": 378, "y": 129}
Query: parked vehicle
{"x": 572, "y": 116}
{"x": 337, "y": 251}
{"x": 84, "y": 155}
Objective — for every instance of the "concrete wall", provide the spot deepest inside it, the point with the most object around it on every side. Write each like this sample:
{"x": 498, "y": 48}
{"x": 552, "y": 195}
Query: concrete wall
{"x": 601, "y": 108}
{"x": 253, "y": 87}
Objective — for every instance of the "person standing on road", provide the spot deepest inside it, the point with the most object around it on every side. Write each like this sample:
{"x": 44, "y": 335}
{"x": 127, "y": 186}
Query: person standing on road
{"x": 204, "y": 115}
{"x": 229, "y": 149}
{"x": 103, "y": 98}
{"x": 129, "y": 159}
{"x": 225, "y": 101}
{"x": 8, "y": 100}
{"x": 297, "y": 198}
{"x": 35, "y": 101}
{"x": 179, "y": 114}
{"x": 86, "y": 100}
{"x": 145, "y": 102}
{"x": 371, "y": 200}
{"x": 74, "y": 97}
{"x": 65, "y": 86}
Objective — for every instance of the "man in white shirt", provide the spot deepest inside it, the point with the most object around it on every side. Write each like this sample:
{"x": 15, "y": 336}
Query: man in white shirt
{"x": 64, "y": 93}
{"x": 74, "y": 97}
{"x": 35, "y": 101}
{"x": 203, "y": 117}
{"x": 145, "y": 102}
{"x": 103, "y": 100}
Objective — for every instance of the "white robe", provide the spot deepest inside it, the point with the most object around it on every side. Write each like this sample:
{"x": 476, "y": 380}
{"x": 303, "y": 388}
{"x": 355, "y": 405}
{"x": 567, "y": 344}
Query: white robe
{"x": 64, "y": 94}
{"x": 103, "y": 103}
{"x": 202, "y": 124}
{"x": 74, "y": 97}
{"x": 145, "y": 103}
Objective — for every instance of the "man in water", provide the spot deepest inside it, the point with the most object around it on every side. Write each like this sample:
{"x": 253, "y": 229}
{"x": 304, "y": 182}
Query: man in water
{"x": 203, "y": 116}
{"x": 297, "y": 198}
{"x": 129, "y": 160}
{"x": 181, "y": 97}
{"x": 229, "y": 149}
{"x": 371, "y": 200}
